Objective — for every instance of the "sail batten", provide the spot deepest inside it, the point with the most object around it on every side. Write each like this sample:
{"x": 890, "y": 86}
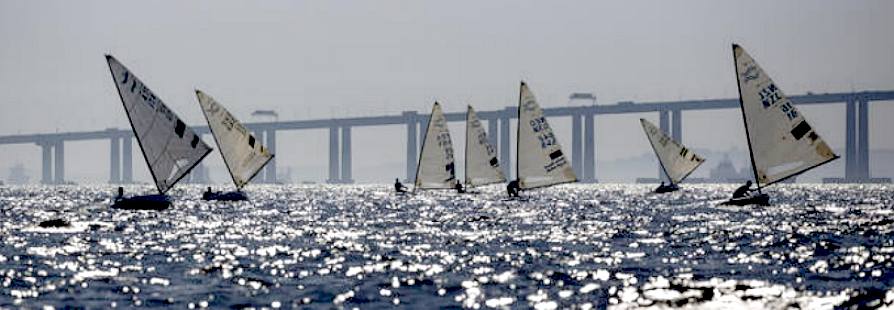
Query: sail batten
{"x": 677, "y": 161}
{"x": 436, "y": 169}
{"x": 169, "y": 146}
{"x": 243, "y": 154}
{"x": 781, "y": 142}
{"x": 482, "y": 166}
{"x": 540, "y": 160}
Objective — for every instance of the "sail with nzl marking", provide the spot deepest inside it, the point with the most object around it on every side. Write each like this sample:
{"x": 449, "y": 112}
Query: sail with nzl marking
{"x": 436, "y": 168}
{"x": 170, "y": 147}
{"x": 482, "y": 166}
{"x": 242, "y": 153}
{"x": 540, "y": 161}
{"x": 676, "y": 160}
{"x": 781, "y": 142}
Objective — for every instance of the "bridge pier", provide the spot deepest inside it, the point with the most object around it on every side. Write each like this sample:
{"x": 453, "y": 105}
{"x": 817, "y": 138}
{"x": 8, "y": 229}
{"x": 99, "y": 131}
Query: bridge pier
{"x": 576, "y": 151}
{"x": 590, "y": 148}
{"x": 506, "y": 142}
{"x": 677, "y": 125}
{"x": 115, "y": 160}
{"x": 127, "y": 159}
{"x": 492, "y": 132}
{"x": 46, "y": 167}
{"x": 412, "y": 136}
{"x": 856, "y": 152}
{"x": 271, "y": 147}
{"x": 59, "y": 158}
{"x": 346, "y": 177}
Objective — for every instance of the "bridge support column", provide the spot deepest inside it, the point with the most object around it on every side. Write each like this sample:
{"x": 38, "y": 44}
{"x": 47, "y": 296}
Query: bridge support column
{"x": 590, "y": 148}
{"x": 677, "y": 125}
{"x": 333, "y": 155}
{"x": 59, "y": 157}
{"x": 663, "y": 121}
{"x": 47, "y": 166}
{"x": 505, "y": 143}
{"x": 115, "y": 160}
{"x": 576, "y": 151}
{"x": 412, "y": 136}
{"x": 271, "y": 147}
{"x": 850, "y": 151}
{"x": 127, "y": 159}
{"x": 492, "y": 134}
{"x": 346, "y": 155}
{"x": 863, "y": 140}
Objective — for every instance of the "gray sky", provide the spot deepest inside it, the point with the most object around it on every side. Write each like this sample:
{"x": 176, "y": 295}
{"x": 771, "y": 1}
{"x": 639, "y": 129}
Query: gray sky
{"x": 349, "y": 58}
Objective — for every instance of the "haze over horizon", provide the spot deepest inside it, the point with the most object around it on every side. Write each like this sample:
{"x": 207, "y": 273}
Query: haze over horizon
{"x": 310, "y": 60}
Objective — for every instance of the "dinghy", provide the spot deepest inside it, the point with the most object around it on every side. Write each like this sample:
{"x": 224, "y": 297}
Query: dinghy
{"x": 677, "y": 161}
{"x": 482, "y": 166}
{"x": 436, "y": 169}
{"x": 170, "y": 147}
{"x": 539, "y": 158}
{"x": 243, "y": 155}
{"x": 780, "y": 141}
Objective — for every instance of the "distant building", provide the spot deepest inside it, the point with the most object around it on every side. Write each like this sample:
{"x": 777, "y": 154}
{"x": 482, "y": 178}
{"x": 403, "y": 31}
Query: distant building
{"x": 725, "y": 172}
{"x": 18, "y": 175}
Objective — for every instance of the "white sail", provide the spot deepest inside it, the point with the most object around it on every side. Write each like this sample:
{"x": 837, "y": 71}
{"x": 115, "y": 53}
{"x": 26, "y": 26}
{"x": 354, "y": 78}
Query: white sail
{"x": 676, "y": 160}
{"x": 482, "y": 166}
{"x": 170, "y": 147}
{"x": 540, "y": 159}
{"x": 436, "y": 167}
{"x": 782, "y": 144}
{"x": 243, "y": 154}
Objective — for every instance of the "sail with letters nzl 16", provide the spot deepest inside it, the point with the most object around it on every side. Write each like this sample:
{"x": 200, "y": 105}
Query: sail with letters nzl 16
{"x": 170, "y": 147}
{"x": 539, "y": 161}
{"x": 243, "y": 154}
{"x": 780, "y": 141}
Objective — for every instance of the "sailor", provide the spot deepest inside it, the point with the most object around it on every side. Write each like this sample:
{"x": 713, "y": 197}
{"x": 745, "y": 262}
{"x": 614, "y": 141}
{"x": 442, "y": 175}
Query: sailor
{"x": 459, "y": 188}
{"x": 399, "y": 187}
{"x": 660, "y": 187}
{"x": 743, "y": 190}
{"x": 512, "y": 188}
{"x": 207, "y": 194}
{"x": 120, "y": 193}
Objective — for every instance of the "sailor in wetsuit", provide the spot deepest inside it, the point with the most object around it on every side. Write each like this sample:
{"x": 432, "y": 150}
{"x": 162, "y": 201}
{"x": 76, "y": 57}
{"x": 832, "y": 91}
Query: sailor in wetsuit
{"x": 398, "y": 187}
{"x": 120, "y": 193}
{"x": 459, "y": 188}
{"x": 743, "y": 190}
{"x": 512, "y": 188}
{"x": 207, "y": 194}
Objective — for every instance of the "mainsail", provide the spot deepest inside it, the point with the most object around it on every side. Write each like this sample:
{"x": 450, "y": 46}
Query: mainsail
{"x": 436, "y": 168}
{"x": 243, "y": 154}
{"x": 540, "y": 161}
{"x": 171, "y": 148}
{"x": 676, "y": 160}
{"x": 781, "y": 142}
{"x": 482, "y": 166}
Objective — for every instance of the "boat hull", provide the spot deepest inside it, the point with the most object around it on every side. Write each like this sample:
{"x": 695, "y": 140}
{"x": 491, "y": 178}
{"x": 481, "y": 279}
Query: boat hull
{"x": 229, "y": 196}
{"x": 759, "y": 200}
{"x": 147, "y": 202}
{"x": 666, "y": 189}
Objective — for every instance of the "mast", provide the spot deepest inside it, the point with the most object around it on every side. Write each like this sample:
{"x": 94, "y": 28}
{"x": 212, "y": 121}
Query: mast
{"x": 518, "y": 132}
{"x": 744, "y": 118}
{"x": 424, "y": 140}
{"x": 466, "y": 151}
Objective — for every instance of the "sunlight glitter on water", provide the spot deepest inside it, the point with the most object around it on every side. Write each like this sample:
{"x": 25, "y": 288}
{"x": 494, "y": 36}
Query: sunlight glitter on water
{"x": 580, "y": 246}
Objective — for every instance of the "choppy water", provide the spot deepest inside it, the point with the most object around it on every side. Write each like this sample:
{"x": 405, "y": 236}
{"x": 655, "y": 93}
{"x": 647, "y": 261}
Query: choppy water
{"x": 580, "y": 246}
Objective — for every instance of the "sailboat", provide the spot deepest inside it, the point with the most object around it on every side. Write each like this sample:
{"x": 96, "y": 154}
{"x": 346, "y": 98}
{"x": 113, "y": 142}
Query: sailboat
{"x": 243, "y": 155}
{"x": 436, "y": 169}
{"x": 539, "y": 158}
{"x": 482, "y": 166}
{"x": 675, "y": 160}
{"x": 171, "y": 148}
{"x": 780, "y": 141}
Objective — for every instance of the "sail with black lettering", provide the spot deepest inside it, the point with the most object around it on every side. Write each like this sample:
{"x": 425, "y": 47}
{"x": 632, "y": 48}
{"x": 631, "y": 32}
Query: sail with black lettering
{"x": 482, "y": 166}
{"x": 243, "y": 154}
{"x": 781, "y": 142}
{"x": 676, "y": 160}
{"x": 170, "y": 147}
{"x": 540, "y": 161}
{"x": 436, "y": 168}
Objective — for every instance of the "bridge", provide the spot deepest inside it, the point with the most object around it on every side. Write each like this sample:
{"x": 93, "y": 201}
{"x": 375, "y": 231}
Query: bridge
{"x": 583, "y": 143}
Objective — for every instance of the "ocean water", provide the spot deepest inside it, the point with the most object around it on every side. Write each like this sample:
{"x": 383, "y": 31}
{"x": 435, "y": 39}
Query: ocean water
{"x": 339, "y": 246}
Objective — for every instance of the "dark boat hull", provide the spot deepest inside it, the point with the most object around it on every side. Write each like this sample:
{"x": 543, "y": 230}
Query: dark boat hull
{"x": 666, "y": 189}
{"x": 229, "y": 196}
{"x": 759, "y": 199}
{"x": 148, "y": 202}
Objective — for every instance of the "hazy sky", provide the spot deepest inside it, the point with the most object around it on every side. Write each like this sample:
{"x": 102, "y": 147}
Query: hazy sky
{"x": 327, "y": 59}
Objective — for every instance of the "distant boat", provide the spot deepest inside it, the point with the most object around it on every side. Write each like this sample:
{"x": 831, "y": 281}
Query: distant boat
{"x": 675, "y": 160}
{"x": 482, "y": 166}
{"x": 436, "y": 169}
{"x": 539, "y": 158}
{"x": 243, "y": 155}
{"x": 780, "y": 141}
{"x": 171, "y": 148}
